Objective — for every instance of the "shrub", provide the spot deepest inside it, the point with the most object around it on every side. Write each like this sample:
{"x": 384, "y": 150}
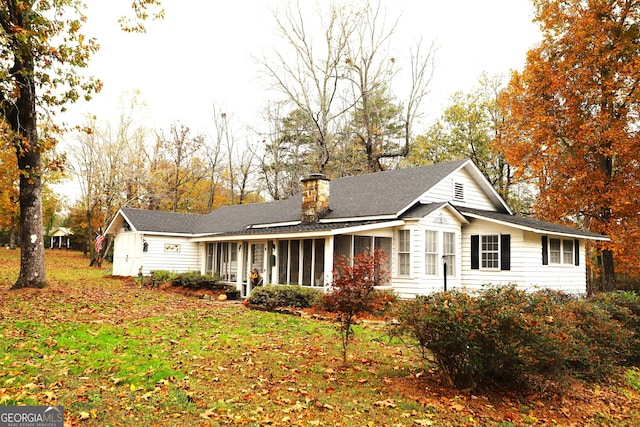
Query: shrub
{"x": 624, "y": 307}
{"x": 444, "y": 325}
{"x": 195, "y": 280}
{"x": 511, "y": 337}
{"x": 272, "y": 296}
{"x": 155, "y": 279}
{"x": 598, "y": 342}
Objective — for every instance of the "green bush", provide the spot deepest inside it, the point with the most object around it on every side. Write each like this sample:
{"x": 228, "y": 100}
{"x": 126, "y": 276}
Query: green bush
{"x": 155, "y": 279}
{"x": 624, "y": 307}
{"x": 598, "y": 342}
{"x": 272, "y": 296}
{"x": 507, "y": 336}
{"x": 444, "y": 325}
{"x": 195, "y": 280}
{"x": 161, "y": 276}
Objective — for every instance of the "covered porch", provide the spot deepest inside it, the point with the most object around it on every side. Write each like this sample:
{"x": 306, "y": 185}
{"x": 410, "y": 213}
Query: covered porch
{"x": 305, "y": 259}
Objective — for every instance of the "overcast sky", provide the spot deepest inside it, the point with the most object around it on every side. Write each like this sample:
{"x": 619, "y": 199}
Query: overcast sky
{"x": 201, "y": 53}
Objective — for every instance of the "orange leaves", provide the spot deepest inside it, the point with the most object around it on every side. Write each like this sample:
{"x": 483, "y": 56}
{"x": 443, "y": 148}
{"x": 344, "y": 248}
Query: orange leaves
{"x": 571, "y": 117}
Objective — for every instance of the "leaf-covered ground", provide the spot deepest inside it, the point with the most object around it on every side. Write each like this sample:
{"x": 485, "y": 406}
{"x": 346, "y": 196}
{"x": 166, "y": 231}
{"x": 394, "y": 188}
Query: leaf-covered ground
{"x": 115, "y": 354}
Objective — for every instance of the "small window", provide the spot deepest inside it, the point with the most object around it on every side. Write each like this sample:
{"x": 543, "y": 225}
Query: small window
{"x": 554, "y": 251}
{"x": 561, "y": 252}
{"x": 567, "y": 252}
{"x": 449, "y": 252}
{"x": 404, "y": 252}
{"x": 490, "y": 251}
{"x": 458, "y": 191}
{"x": 431, "y": 253}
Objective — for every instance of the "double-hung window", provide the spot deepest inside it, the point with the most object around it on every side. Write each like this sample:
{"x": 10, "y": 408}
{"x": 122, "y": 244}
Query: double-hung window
{"x": 431, "y": 253}
{"x": 560, "y": 251}
{"x": 490, "y": 251}
{"x": 449, "y": 252}
{"x": 404, "y": 252}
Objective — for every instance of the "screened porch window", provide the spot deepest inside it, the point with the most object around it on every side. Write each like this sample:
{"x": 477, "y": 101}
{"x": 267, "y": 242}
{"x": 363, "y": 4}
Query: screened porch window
{"x": 301, "y": 262}
{"x": 222, "y": 260}
{"x": 344, "y": 243}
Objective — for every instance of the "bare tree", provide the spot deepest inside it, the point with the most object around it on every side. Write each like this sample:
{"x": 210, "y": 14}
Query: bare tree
{"x": 347, "y": 90}
{"x": 181, "y": 149}
{"x": 213, "y": 154}
{"x": 381, "y": 125}
{"x": 106, "y": 162}
{"x": 282, "y": 160}
{"x": 311, "y": 82}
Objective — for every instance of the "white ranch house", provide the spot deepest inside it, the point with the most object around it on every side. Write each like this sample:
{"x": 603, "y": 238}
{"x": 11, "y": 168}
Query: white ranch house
{"x": 423, "y": 218}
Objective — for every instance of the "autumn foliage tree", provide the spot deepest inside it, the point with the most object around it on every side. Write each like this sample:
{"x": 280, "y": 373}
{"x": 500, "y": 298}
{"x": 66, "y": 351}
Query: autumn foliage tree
{"x": 572, "y": 121}
{"x": 41, "y": 48}
{"x": 353, "y": 290}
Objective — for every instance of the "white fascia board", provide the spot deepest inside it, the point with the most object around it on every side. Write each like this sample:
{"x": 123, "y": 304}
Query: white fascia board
{"x": 358, "y": 218}
{"x": 163, "y": 233}
{"x": 537, "y": 230}
{"x": 484, "y": 182}
{"x": 112, "y": 223}
{"x": 453, "y": 210}
{"x": 277, "y": 224}
{"x": 265, "y": 236}
{"x": 359, "y": 228}
{"x": 299, "y": 234}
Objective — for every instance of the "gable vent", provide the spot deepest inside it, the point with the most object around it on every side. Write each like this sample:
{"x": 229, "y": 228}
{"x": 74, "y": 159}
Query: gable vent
{"x": 458, "y": 191}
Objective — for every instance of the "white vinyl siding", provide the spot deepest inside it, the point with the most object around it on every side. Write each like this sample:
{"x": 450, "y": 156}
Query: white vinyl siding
{"x": 461, "y": 184}
{"x": 527, "y": 271}
{"x": 421, "y": 282}
{"x": 175, "y": 254}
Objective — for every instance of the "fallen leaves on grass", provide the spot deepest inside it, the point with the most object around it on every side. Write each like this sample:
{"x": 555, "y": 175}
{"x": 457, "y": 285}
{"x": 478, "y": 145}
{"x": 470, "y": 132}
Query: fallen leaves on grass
{"x": 114, "y": 353}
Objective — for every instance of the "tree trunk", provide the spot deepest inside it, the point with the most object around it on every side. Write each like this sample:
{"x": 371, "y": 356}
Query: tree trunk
{"x": 12, "y": 238}
{"x": 32, "y": 269}
{"x": 23, "y": 120}
{"x": 608, "y": 271}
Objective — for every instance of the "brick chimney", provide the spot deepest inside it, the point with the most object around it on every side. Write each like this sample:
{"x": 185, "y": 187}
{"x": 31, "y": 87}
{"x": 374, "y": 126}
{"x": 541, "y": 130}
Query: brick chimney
{"x": 315, "y": 197}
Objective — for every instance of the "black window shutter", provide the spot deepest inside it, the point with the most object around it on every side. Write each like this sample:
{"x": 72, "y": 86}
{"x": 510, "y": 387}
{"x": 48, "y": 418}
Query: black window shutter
{"x": 576, "y": 252}
{"x": 505, "y": 252}
{"x": 545, "y": 252}
{"x": 475, "y": 252}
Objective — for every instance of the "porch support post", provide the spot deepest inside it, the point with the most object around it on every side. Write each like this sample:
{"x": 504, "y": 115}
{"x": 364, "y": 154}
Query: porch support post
{"x": 328, "y": 260}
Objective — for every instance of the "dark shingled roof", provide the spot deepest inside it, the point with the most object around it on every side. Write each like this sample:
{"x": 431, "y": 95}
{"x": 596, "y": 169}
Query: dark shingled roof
{"x": 377, "y": 194}
{"x": 531, "y": 223}
{"x": 385, "y": 193}
{"x": 301, "y": 228}
{"x": 162, "y": 222}
{"x": 420, "y": 210}
{"x": 363, "y": 196}
{"x": 373, "y": 198}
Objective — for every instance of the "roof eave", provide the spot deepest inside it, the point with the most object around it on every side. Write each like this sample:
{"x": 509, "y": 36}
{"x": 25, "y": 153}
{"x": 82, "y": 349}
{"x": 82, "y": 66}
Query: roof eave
{"x": 538, "y": 230}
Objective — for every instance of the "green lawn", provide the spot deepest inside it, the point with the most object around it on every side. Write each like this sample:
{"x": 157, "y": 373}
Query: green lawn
{"x": 115, "y": 354}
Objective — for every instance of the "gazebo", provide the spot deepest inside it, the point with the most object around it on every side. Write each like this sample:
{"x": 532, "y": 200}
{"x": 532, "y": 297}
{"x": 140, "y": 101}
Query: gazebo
{"x": 60, "y": 238}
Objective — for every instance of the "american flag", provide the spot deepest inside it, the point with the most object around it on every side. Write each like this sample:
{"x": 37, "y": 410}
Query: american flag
{"x": 99, "y": 240}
